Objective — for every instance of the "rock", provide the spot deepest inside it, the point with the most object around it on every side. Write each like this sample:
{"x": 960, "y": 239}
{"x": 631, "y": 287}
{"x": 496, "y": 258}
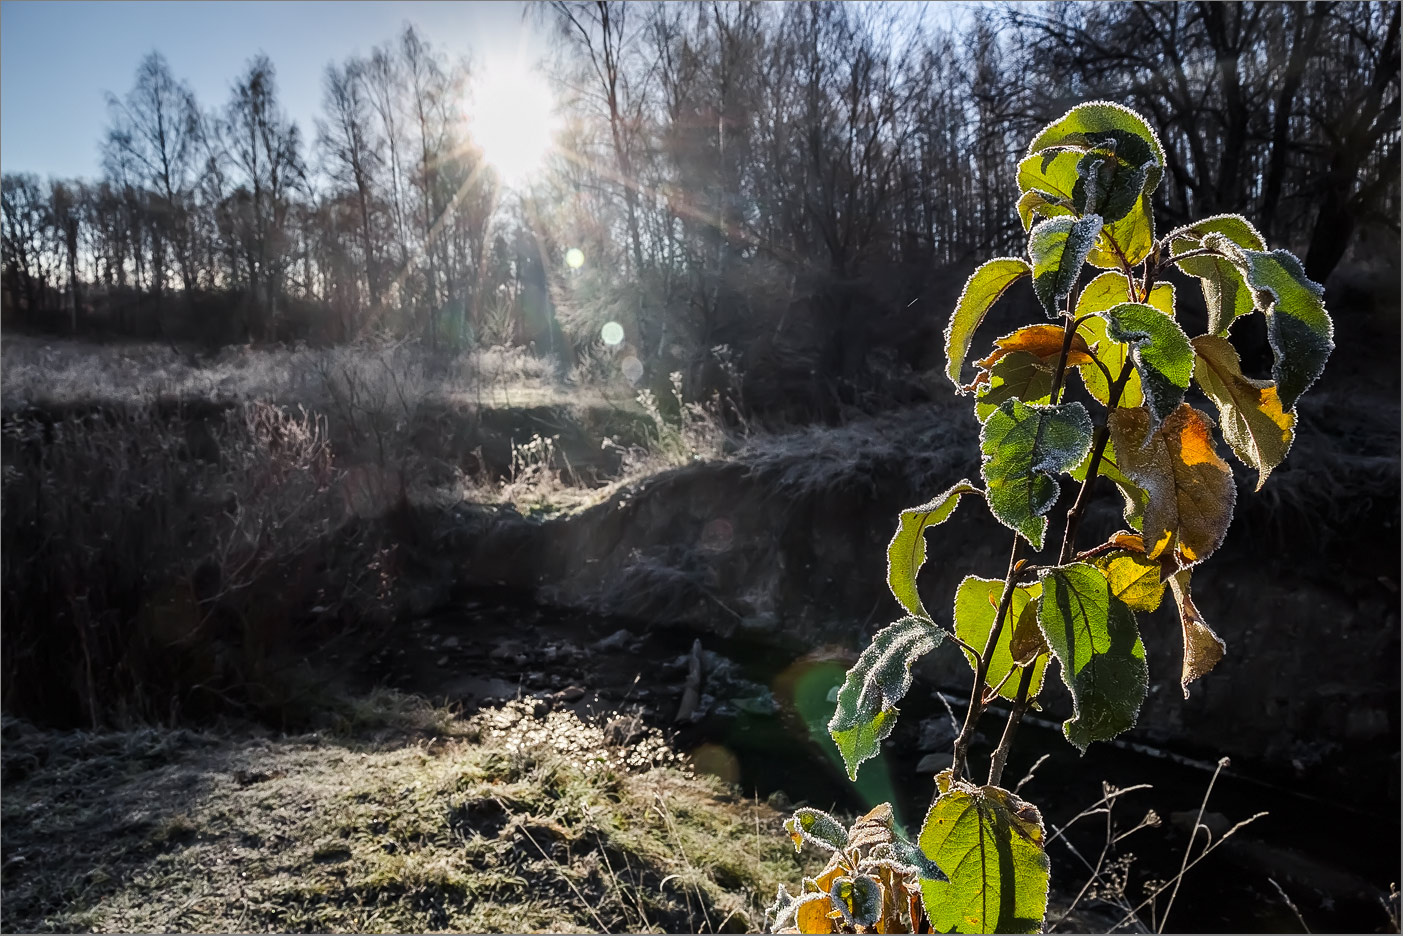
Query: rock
{"x": 688, "y": 709}
{"x": 505, "y": 651}
{"x": 763, "y": 704}
{"x": 615, "y": 641}
{"x": 442, "y": 661}
{"x": 936, "y": 733}
{"x": 540, "y": 709}
{"x": 450, "y": 642}
{"x": 934, "y": 763}
{"x": 570, "y": 694}
{"x": 779, "y": 801}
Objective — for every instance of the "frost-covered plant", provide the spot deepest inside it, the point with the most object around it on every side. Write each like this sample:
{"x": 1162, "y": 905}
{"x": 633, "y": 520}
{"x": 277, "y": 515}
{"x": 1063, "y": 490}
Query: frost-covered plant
{"x": 979, "y": 864}
{"x": 698, "y": 432}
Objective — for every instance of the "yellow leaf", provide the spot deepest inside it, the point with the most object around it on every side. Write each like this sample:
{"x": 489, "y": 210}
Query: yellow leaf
{"x": 831, "y": 873}
{"x": 1190, "y": 489}
{"x": 1133, "y": 578}
{"x": 1202, "y": 648}
{"x": 812, "y": 916}
{"x": 1254, "y": 424}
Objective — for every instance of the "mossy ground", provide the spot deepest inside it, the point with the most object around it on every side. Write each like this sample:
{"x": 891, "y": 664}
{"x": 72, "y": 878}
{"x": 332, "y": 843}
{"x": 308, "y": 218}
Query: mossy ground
{"x": 404, "y": 818}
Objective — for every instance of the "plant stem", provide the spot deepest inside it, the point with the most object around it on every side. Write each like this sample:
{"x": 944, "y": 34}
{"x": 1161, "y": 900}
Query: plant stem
{"x": 1196, "y": 252}
{"x": 1098, "y": 449}
{"x": 977, "y": 702}
{"x": 1102, "y": 435}
{"x": 1067, "y": 334}
{"x": 1020, "y": 705}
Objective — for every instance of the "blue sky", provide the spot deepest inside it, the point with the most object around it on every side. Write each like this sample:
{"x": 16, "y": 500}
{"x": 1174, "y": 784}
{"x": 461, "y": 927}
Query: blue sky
{"x": 59, "y": 58}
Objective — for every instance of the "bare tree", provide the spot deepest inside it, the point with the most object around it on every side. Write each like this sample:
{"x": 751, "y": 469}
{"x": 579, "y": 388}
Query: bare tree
{"x": 155, "y": 129}
{"x": 265, "y": 151}
{"x": 351, "y": 155}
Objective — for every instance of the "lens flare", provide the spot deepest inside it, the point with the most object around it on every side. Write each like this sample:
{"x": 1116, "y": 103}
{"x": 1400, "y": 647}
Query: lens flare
{"x": 512, "y": 117}
{"x": 574, "y": 258}
{"x": 612, "y": 333}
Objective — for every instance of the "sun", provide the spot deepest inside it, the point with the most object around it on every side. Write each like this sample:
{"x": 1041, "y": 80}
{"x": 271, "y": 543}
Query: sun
{"x": 512, "y": 117}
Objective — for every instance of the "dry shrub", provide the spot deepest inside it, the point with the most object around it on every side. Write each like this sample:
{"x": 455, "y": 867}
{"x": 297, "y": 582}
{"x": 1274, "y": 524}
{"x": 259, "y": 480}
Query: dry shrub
{"x": 153, "y": 567}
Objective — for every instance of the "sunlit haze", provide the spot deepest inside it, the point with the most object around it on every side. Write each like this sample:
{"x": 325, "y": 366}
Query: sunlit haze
{"x": 512, "y": 117}
{"x": 207, "y": 44}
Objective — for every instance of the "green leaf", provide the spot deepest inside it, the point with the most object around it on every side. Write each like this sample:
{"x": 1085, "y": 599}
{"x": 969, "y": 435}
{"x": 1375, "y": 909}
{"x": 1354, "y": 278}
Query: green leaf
{"x": 1023, "y": 446}
{"x": 867, "y": 700}
{"x": 816, "y": 827}
{"x": 1160, "y": 351}
{"x": 1019, "y": 375}
{"x": 1047, "y": 181}
{"x": 1054, "y": 173}
{"x": 907, "y": 551}
{"x": 910, "y": 855}
{"x": 1190, "y": 489}
{"x": 1225, "y": 290}
{"x": 1132, "y": 237}
{"x": 1097, "y": 123}
{"x": 1036, "y": 203}
{"x": 1058, "y": 248}
{"x": 991, "y": 845}
{"x": 1254, "y": 423}
{"x": 1298, "y": 327}
{"x": 1202, "y": 648}
{"x": 1108, "y": 183}
{"x": 976, "y": 605}
{"x": 981, "y": 291}
{"x": 1105, "y": 292}
{"x": 858, "y": 898}
{"x": 1094, "y": 636}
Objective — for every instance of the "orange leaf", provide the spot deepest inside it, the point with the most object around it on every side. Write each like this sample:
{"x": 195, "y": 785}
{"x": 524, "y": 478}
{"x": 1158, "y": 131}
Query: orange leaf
{"x": 1202, "y": 648}
{"x": 1190, "y": 489}
{"x": 1045, "y": 341}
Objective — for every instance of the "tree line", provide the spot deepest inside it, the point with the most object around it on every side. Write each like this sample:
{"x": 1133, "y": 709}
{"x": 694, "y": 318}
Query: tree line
{"x": 802, "y": 182}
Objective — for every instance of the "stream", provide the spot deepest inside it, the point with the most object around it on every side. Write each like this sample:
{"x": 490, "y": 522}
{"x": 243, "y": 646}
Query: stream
{"x": 760, "y": 724}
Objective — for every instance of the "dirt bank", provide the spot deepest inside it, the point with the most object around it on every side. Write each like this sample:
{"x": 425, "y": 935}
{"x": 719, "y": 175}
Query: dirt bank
{"x": 786, "y": 543}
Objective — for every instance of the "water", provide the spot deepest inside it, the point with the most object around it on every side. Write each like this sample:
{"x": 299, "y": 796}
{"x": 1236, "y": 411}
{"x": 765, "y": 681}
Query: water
{"x": 1332, "y": 855}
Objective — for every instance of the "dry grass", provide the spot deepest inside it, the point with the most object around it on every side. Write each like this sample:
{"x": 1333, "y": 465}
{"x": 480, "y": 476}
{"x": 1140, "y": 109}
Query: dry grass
{"x": 408, "y": 819}
{"x": 154, "y": 567}
{"x": 37, "y": 372}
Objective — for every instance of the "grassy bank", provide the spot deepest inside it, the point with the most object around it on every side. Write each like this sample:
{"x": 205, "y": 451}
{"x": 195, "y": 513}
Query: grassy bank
{"x": 402, "y": 818}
